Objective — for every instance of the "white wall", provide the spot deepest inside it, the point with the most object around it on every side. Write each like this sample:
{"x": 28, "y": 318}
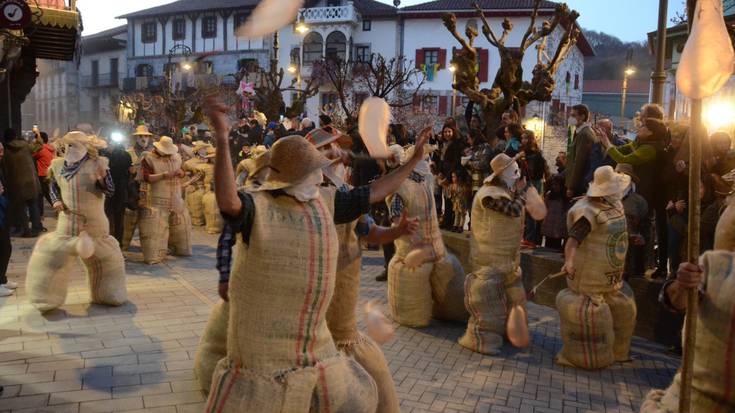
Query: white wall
{"x": 382, "y": 37}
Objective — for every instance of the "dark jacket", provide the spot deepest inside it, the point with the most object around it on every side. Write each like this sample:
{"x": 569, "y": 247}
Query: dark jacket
{"x": 452, "y": 157}
{"x": 578, "y": 159}
{"x": 20, "y": 172}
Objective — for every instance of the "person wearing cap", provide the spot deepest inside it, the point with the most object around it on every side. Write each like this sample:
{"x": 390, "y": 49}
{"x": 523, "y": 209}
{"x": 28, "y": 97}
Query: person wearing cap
{"x": 163, "y": 218}
{"x": 79, "y": 183}
{"x": 142, "y": 142}
{"x": 424, "y": 279}
{"x": 194, "y": 188}
{"x": 597, "y": 301}
{"x": 498, "y": 212}
{"x": 636, "y": 211}
{"x": 283, "y": 277}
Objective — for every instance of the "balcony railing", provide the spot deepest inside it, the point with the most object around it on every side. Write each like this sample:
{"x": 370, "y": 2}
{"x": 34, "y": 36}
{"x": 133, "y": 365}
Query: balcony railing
{"x": 102, "y": 80}
{"x": 338, "y": 14}
{"x": 152, "y": 83}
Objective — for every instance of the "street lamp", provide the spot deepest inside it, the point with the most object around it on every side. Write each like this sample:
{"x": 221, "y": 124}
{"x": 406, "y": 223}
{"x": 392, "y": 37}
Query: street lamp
{"x": 186, "y": 66}
{"x": 292, "y": 68}
{"x": 628, "y": 72}
{"x": 453, "y": 71}
{"x": 301, "y": 25}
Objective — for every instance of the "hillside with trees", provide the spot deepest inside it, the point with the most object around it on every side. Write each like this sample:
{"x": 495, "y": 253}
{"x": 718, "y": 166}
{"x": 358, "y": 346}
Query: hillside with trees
{"x": 610, "y": 54}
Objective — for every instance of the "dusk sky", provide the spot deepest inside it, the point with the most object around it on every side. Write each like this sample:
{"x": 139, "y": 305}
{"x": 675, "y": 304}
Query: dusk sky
{"x": 629, "y": 20}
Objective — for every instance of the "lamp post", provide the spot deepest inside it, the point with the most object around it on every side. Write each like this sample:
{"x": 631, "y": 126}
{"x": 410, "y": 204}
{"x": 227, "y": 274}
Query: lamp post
{"x": 658, "y": 77}
{"x": 302, "y": 28}
{"x": 453, "y": 71}
{"x": 628, "y": 71}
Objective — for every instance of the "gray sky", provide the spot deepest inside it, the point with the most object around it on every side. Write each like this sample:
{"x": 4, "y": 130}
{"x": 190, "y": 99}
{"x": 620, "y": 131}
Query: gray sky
{"x": 629, "y": 20}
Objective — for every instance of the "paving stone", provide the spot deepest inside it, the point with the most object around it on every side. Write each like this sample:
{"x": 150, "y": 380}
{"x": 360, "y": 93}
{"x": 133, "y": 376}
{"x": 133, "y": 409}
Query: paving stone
{"x": 128, "y": 403}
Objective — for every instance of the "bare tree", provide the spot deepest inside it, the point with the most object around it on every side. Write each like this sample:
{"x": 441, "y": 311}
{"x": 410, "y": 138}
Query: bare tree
{"x": 508, "y": 89}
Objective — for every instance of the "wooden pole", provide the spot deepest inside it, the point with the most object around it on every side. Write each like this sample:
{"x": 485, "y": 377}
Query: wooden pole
{"x": 658, "y": 77}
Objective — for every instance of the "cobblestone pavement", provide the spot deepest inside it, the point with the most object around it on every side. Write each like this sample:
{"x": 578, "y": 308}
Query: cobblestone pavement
{"x": 139, "y": 357}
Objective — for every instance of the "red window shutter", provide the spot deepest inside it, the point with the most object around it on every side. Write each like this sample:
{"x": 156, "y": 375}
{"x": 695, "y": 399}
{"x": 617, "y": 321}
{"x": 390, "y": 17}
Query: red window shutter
{"x": 442, "y": 105}
{"x": 442, "y": 58}
{"x": 419, "y": 58}
{"x": 482, "y": 74}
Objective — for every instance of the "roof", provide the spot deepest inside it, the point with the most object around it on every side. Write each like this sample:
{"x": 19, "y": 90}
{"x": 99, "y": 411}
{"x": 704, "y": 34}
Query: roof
{"x": 104, "y": 41}
{"x": 107, "y": 33}
{"x": 454, "y": 5}
{"x": 615, "y": 87}
{"x": 186, "y": 6}
{"x": 372, "y": 8}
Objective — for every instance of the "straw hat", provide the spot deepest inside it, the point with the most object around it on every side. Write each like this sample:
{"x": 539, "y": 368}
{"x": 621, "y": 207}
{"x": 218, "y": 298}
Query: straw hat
{"x": 626, "y": 168}
{"x": 197, "y": 145}
{"x": 142, "y": 130}
{"x": 499, "y": 164}
{"x": 211, "y": 152}
{"x": 292, "y": 160}
{"x": 76, "y": 137}
{"x": 166, "y": 146}
{"x": 410, "y": 149}
{"x": 607, "y": 182}
{"x": 256, "y": 163}
{"x": 320, "y": 137}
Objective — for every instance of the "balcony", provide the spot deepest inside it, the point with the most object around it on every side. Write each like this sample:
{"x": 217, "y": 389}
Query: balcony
{"x": 330, "y": 15}
{"x": 102, "y": 81}
{"x": 143, "y": 83}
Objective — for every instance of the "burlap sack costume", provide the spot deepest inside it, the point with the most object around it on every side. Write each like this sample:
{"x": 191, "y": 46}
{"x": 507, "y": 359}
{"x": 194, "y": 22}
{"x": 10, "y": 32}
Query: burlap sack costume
{"x": 342, "y": 322}
{"x": 212, "y": 345}
{"x": 280, "y": 354}
{"x": 598, "y": 311}
{"x": 495, "y": 285}
{"x": 194, "y": 192}
{"x": 164, "y": 221}
{"x": 714, "y": 376}
{"x": 413, "y": 291}
{"x": 48, "y": 272}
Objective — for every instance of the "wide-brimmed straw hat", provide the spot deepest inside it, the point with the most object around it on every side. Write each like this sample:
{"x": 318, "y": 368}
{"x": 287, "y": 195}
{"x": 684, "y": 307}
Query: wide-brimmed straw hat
{"x": 256, "y": 163}
{"x": 198, "y": 145}
{"x": 76, "y": 137}
{"x": 142, "y": 130}
{"x": 211, "y": 152}
{"x": 607, "y": 182}
{"x": 292, "y": 160}
{"x": 499, "y": 164}
{"x": 321, "y": 137}
{"x": 626, "y": 168}
{"x": 166, "y": 146}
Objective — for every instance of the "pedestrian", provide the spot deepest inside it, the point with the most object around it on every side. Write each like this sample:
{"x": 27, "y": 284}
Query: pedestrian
{"x": 512, "y": 136}
{"x": 7, "y": 287}
{"x": 535, "y": 169}
{"x": 636, "y": 211}
{"x": 508, "y": 117}
{"x": 43, "y": 156}
{"x": 578, "y": 156}
{"x": 120, "y": 164}
{"x": 307, "y": 125}
{"x": 553, "y": 227}
{"x": 22, "y": 186}
{"x": 270, "y": 135}
{"x": 451, "y": 160}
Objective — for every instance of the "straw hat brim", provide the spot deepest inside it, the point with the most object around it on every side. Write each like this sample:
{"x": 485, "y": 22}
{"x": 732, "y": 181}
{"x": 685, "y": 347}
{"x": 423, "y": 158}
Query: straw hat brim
{"x": 166, "y": 150}
{"x": 142, "y": 134}
{"x": 273, "y": 183}
{"x": 615, "y": 186}
{"x": 500, "y": 170}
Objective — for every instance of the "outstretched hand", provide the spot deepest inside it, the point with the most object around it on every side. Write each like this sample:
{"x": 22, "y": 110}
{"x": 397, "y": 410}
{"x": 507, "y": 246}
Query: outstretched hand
{"x": 423, "y": 139}
{"x": 406, "y": 225}
{"x": 216, "y": 111}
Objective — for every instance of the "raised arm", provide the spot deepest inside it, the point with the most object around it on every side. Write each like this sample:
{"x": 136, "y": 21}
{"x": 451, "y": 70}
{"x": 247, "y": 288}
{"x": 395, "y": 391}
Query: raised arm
{"x": 390, "y": 183}
{"x": 382, "y": 235}
{"x": 225, "y": 189}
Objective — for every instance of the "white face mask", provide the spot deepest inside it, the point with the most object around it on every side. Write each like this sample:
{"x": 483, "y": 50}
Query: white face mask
{"x": 74, "y": 153}
{"x": 511, "y": 175}
{"x": 308, "y": 189}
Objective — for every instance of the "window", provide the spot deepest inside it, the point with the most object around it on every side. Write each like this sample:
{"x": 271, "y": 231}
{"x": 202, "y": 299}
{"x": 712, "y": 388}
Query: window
{"x": 179, "y": 29}
{"x": 248, "y": 65}
{"x": 329, "y": 99}
{"x": 334, "y": 3}
{"x": 149, "y": 32}
{"x": 312, "y": 47}
{"x": 362, "y": 53}
{"x": 114, "y": 66}
{"x": 431, "y": 57}
{"x": 336, "y": 48}
{"x": 144, "y": 70}
{"x": 367, "y": 25}
{"x": 576, "y": 82}
{"x": 206, "y": 67}
{"x": 430, "y": 103}
{"x": 170, "y": 68}
{"x": 95, "y": 72}
{"x": 209, "y": 27}
{"x": 239, "y": 20}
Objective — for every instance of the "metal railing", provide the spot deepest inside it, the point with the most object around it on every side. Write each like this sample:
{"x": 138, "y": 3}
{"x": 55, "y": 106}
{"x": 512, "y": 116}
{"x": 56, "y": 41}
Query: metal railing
{"x": 336, "y": 14}
{"x": 101, "y": 80}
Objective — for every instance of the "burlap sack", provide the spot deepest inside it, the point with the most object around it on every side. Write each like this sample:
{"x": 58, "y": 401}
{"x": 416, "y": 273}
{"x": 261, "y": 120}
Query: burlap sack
{"x": 194, "y": 205}
{"x": 153, "y": 230}
{"x": 369, "y": 355}
{"x": 106, "y": 272}
{"x": 667, "y": 401}
{"x": 48, "y": 272}
{"x": 179, "y": 237}
{"x": 409, "y": 293}
{"x": 130, "y": 224}
{"x": 337, "y": 384}
{"x": 447, "y": 286}
{"x": 586, "y": 331}
{"x": 624, "y": 312}
{"x": 486, "y": 301}
{"x": 212, "y": 345}
{"x": 212, "y": 215}
{"x": 340, "y": 315}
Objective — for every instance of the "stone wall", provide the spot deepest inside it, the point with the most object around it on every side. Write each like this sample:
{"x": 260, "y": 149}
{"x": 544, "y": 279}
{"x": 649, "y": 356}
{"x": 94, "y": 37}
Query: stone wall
{"x": 538, "y": 263}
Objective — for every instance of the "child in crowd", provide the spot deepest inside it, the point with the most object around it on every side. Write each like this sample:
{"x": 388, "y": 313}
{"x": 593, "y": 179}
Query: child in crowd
{"x": 553, "y": 227}
{"x": 458, "y": 192}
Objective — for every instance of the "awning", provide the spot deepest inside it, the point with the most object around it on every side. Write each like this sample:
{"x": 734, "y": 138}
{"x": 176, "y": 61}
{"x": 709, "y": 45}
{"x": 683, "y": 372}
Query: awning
{"x": 54, "y": 33}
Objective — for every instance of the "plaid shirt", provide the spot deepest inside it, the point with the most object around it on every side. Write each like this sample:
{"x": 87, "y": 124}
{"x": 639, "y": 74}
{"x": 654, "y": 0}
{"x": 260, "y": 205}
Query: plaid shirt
{"x": 348, "y": 206}
{"x": 397, "y": 205}
{"x": 510, "y": 207}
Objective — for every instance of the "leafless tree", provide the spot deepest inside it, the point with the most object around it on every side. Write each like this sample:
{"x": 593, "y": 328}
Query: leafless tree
{"x": 509, "y": 90}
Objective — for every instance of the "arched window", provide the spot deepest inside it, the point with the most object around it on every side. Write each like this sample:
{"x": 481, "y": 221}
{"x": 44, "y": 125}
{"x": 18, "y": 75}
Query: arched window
{"x": 336, "y": 46}
{"x": 312, "y": 47}
{"x": 144, "y": 70}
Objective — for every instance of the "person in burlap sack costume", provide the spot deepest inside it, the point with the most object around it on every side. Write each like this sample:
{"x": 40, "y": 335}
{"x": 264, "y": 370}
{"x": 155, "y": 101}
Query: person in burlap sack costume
{"x": 423, "y": 278}
{"x": 597, "y": 311}
{"x": 79, "y": 183}
{"x": 163, "y": 219}
{"x": 280, "y": 354}
{"x": 246, "y": 167}
{"x": 194, "y": 188}
{"x": 713, "y": 376}
{"x": 494, "y": 292}
{"x": 203, "y": 172}
{"x": 143, "y": 142}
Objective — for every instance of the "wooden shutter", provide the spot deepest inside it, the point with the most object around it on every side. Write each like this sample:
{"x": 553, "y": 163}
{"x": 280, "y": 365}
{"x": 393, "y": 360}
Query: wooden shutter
{"x": 442, "y": 105}
{"x": 442, "y": 58}
{"x": 419, "y": 58}
{"x": 482, "y": 73}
